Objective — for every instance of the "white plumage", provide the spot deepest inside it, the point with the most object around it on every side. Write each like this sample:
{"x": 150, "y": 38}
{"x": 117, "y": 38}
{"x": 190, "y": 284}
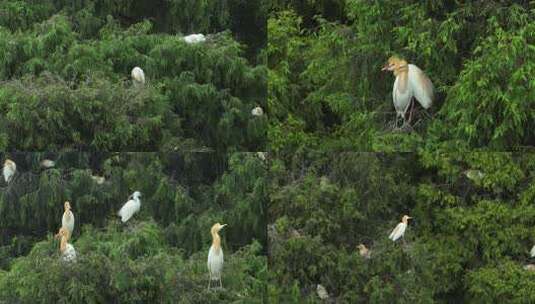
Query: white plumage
{"x": 322, "y": 292}
{"x": 364, "y": 251}
{"x": 533, "y": 251}
{"x": 411, "y": 82}
{"x": 130, "y": 207}
{"x": 215, "y": 256}
{"x": 215, "y": 262}
{"x": 261, "y": 155}
{"x": 474, "y": 175}
{"x": 399, "y": 231}
{"x": 67, "y": 221}
{"x": 138, "y": 76}
{"x": 47, "y": 163}
{"x": 9, "y": 170}
{"x": 98, "y": 179}
{"x": 69, "y": 254}
{"x": 257, "y": 111}
{"x": 194, "y": 38}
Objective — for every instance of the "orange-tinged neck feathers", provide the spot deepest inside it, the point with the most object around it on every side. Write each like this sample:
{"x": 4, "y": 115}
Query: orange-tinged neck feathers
{"x": 216, "y": 240}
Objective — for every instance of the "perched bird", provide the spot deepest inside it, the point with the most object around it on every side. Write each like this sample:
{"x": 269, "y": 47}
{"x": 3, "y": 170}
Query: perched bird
{"x": 194, "y": 38}
{"x": 532, "y": 252}
{"x": 411, "y": 82}
{"x": 529, "y": 267}
{"x": 257, "y": 111}
{"x": 322, "y": 292}
{"x": 138, "y": 76}
{"x": 130, "y": 207}
{"x": 399, "y": 231}
{"x": 67, "y": 221}
{"x": 261, "y": 155}
{"x": 47, "y": 163}
{"x": 474, "y": 175}
{"x": 9, "y": 170}
{"x": 363, "y": 251}
{"x": 215, "y": 256}
{"x": 68, "y": 254}
{"x": 98, "y": 179}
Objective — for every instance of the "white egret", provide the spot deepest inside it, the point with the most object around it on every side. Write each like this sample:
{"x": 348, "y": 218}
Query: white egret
{"x": 10, "y": 168}
{"x": 363, "y": 251}
{"x": 322, "y": 292}
{"x": 98, "y": 179}
{"x": 532, "y": 252}
{"x": 68, "y": 254}
{"x": 138, "y": 76}
{"x": 47, "y": 163}
{"x": 261, "y": 155}
{"x": 529, "y": 267}
{"x": 411, "y": 82}
{"x": 194, "y": 38}
{"x": 130, "y": 207}
{"x": 215, "y": 256}
{"x": 67, "y": 221}
{"x": 399, "y": 231}
{"x": 474, "y": 175}
{"x": 257, "y": 111}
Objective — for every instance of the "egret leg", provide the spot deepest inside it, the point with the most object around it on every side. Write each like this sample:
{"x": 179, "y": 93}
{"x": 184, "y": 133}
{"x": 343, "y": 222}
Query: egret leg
{"x": 209, "y": 281}
{"x": 411, "y": 110}
{"x": 220, "y": 283}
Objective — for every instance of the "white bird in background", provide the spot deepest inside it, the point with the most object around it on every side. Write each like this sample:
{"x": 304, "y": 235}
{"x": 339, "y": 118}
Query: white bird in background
{"x": 363, "y": 251}
{"x": 68, "y": 254}
{"x": 322, "y": 292}
{"x": 532, "y": 252}
{"x": 98, "y": 179}
{"x": 9, "y": 170}
{"x": 47, "y": 163}
{"x": 215, "y": 256}
{"x": 529, "y": 267}
{"x": 131, "y": 207}
{"x": 194, "y": 38}
{"x": 67, "y": 221}
{"x": 474, "y": 175}
{"x": 399, "y": 231}
{"x": 257, "y": 111}
{"x": 411, "y": 82}
{"x": 138, "y": 77}
{"x": 261, "y": 155}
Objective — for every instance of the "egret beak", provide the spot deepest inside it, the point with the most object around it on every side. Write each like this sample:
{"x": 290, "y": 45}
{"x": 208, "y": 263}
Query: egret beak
{"x": 223, "y": 226}
{"x": 408, "y": 217}
{"x": 387, "y": 67}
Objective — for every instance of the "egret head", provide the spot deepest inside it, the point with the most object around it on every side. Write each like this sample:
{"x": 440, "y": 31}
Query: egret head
{"x": 136, "y": 195}
{"x": 67, "y": 206}
{"x": 405, "y": 218}
{"x": 9, "y": 163}
{"x": 361, "y": 247}
{"x": 394, "y": 63}
{"x": 216, "y": 227}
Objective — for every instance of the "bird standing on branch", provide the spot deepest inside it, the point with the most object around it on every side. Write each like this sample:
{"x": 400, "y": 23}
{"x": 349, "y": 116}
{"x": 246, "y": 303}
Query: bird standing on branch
{"x": 411, "y": 82}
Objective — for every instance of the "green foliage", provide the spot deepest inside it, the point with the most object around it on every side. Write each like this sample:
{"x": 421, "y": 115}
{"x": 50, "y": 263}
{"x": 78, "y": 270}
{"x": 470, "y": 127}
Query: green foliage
{"x": 132, "y": 264}
{"x": 160, "y": 254}
{"x": 64, "y": 88}
{"x": 468, "y": 241}
{"x": 326, "y": 88}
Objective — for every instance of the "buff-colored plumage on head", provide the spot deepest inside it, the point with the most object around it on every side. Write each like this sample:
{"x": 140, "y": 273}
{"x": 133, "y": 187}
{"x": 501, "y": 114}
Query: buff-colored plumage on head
{"x": 405, "y": 219}
{"x": 396, "y": 65}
